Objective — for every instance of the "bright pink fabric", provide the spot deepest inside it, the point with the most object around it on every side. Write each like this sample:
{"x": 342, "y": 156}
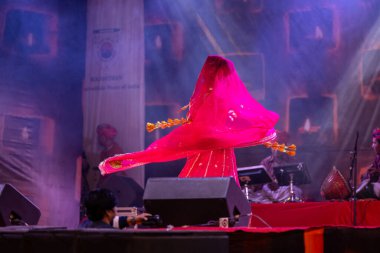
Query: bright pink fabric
{"x": 222, "y": 115}
{"x": 213, "y": 163}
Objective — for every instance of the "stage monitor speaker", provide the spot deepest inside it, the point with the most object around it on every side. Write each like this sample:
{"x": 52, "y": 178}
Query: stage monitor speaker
{"x": 15, "y": 208}
{"x": 127, "y": 191}
{"x": 196, "y": 201}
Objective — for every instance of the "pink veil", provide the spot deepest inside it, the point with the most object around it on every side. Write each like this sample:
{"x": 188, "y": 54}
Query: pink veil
{"x": 222, "y": 115}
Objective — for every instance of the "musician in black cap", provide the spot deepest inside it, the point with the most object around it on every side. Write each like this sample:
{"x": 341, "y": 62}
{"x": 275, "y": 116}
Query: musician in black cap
{"x": 100, "y": 210}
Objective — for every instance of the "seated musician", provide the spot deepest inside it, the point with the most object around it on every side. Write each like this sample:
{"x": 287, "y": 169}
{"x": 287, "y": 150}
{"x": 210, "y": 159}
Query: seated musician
{"x": 370, "y": 184}
{"x": 272, "y": 192}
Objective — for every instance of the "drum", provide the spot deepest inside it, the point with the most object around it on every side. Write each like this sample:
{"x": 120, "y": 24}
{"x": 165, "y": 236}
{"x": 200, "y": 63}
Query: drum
{"x": 335, "y": 186}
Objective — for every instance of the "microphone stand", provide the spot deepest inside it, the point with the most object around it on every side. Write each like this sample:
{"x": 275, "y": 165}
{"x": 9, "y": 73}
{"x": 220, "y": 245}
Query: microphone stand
{"x": 353, "y": 177}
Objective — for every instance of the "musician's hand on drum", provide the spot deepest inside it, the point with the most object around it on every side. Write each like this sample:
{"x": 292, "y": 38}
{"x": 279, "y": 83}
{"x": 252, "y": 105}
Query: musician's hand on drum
{"x": 373, "y": 174}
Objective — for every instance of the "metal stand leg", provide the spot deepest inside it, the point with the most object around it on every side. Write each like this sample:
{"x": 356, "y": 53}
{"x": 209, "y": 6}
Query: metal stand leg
{"x": 245, "y": 190}
{"x": 292, "y": 197}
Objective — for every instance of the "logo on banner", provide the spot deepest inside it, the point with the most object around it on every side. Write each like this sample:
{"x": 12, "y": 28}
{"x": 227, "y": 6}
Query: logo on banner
{"x": 105, "y": 43}
{"x": 106, "y": 50}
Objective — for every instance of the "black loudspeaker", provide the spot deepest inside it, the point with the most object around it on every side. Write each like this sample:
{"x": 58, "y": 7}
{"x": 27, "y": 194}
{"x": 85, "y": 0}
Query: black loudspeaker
{"x": 127, "y": 191}
{"x": 16, "y": 209}
{"x": 196, "y": 201}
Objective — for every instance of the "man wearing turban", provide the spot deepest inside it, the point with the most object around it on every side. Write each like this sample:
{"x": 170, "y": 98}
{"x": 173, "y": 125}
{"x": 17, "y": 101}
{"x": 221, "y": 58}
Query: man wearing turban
{"x": 106, "y": 138}
{"x": 370, "y": 185}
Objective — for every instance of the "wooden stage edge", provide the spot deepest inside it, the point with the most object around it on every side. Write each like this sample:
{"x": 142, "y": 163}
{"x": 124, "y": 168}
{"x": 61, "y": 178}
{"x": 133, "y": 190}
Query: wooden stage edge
{"x": 311, "y": 227}
{"x": 190, "y": 239}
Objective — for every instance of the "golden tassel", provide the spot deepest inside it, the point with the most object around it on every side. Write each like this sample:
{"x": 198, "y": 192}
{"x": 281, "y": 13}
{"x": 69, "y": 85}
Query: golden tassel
{"x": 290, "y": 150}
{"x": 150, "y": 127}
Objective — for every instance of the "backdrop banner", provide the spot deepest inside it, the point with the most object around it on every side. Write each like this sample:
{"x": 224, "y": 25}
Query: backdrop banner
{"x": 114, "y": 84}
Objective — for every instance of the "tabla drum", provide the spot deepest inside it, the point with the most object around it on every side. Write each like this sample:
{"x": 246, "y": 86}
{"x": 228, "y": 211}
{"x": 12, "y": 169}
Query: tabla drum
{"x": 335, "y": 186}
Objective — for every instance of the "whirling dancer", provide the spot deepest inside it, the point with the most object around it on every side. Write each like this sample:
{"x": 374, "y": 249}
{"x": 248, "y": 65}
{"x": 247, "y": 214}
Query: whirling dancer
{"x": 222, "y": 116}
